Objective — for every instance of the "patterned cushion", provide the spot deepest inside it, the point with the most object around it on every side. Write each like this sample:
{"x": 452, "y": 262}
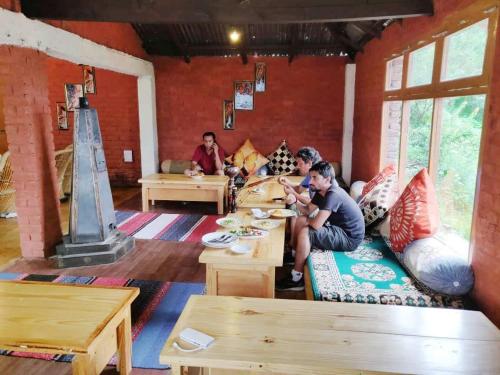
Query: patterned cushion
{"x": 378, "y": 200}
{"x": 247, "y": 158}
{"x": 415, "y": 215}
{"x": 282, "y": 161}
{"x": 370, "y": 274}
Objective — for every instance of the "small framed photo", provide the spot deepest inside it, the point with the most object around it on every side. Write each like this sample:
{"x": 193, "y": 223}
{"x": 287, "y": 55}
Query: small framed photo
{"x": 89, "y": 86}
{"x": 243, "y": 95}
{"x": 228, "y": 115}
{"x": 260, "y": 77}
{"x": 62, "y": 116}
{"x": 74, "y": 91}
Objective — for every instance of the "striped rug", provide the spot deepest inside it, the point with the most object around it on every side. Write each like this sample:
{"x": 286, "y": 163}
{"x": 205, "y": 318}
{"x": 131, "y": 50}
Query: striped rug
{"x": 154, "y": 313}
{"x": 167, "y": 227}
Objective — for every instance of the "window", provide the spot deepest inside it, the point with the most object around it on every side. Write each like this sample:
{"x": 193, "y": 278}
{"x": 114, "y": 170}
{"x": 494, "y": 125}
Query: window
{"x": 436, "y": 120}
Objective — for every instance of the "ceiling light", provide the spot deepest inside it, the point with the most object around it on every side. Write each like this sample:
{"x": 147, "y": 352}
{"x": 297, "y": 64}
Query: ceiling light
{"x": 234, "y": 36}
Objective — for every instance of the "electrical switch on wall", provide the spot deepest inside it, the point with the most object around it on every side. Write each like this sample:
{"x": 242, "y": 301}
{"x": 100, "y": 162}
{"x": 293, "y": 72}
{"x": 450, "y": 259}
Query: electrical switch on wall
{"x": 127, "y": 156}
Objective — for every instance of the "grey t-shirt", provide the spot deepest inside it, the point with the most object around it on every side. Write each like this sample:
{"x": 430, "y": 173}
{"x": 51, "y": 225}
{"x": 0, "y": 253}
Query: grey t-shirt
{"x": 345, "y": 213}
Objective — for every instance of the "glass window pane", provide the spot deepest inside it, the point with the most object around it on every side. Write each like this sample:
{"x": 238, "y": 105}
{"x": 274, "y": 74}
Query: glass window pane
{"x": 392, "y": 132}
{"x": 394, "y": 74}
{"x": 464, "y": 52}
{"x": 460, "y": 136}
{"x": 421, "y": 63}
{"x": 419, "y": 136}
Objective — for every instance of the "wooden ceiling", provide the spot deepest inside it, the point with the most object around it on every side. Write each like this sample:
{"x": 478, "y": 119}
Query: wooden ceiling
{"x": 190, "y": 28}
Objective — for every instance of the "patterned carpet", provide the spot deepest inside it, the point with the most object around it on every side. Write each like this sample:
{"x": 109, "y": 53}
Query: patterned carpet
{"x": 167, "y": 227}
{"x": 370, "y": 274}
{"x": 154, "y": 314}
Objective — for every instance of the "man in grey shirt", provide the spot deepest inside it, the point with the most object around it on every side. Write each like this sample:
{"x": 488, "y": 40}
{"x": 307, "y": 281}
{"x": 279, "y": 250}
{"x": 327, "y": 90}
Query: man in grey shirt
{"x": 339, "y": 224}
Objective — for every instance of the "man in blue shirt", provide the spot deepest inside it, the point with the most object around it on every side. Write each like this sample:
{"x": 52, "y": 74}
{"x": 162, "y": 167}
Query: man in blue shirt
{"x": 339, "y": 224}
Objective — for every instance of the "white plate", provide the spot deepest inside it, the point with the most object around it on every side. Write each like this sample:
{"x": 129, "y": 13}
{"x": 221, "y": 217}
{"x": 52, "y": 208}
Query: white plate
{"x": 197, "y": 177}
{"x": 263, "y": 233}
{"x": 282, "y": 213}
{"x": 228, "y": 222}
{"x": 265, "y": 224}
{"x": 259, "y": 214}
{"x": 205, "y": 240}
{"x": 258, "y": 191}
{"x": 240, "y": 248}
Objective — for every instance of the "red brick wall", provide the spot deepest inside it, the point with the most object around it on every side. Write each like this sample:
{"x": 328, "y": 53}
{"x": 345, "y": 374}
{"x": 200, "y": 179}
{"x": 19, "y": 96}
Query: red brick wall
{"x": 303, "y": 104}
{"x": 367, "y": 141}
{"x": 117, "y": 108}
{"x": 24, "y": 106}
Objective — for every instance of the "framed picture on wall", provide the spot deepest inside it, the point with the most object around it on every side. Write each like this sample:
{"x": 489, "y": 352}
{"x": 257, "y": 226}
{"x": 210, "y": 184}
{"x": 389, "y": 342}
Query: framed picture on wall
{"x": 228, "y": 115}
{"x": 61, "y": 116}
{"x": 243, "y": 95}
{"x": 89, "y": 86}
{"x": 260, "y": 77}
{"x": 74, "y": 91}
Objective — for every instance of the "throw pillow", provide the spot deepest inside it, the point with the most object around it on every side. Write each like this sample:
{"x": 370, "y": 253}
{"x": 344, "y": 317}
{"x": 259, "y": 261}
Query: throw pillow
{"x": 438, "y": 267}
{"x": 282, "y": 161}
{"x": 379, "y": 178}
{"x": 415, "y": 215}
{"x": 378, "y": 200}
{"x": 247, "y": 158}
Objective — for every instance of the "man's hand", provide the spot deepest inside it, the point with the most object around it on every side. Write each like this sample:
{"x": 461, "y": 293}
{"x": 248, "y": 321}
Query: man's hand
{"x": 283, "y": 181}
{"x": 215, "y": 147}
{"x": 288, "y": 189}
{"x": 290, "y": 199}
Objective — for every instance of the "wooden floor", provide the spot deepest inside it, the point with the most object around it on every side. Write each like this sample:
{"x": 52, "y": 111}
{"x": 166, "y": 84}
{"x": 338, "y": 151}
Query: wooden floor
{"x": 150, "y": 260}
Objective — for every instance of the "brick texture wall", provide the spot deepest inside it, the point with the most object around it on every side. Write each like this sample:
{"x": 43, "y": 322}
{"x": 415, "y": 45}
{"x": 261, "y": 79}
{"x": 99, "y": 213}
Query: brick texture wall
{"x": 303, "y": 104}
{"x": 117, "y": 108}
{"x": 367, "y": 144}
{"x": 26, "y": 114}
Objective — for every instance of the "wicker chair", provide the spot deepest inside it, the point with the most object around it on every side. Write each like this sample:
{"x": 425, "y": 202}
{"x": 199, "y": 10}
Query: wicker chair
{"x": 63, "y": 159}
{"x": 68, "y": 175}
{"x": 7, "y": 191}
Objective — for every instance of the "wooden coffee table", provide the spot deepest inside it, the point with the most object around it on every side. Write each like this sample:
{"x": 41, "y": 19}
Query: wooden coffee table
{"x": 272, "y": 189}
{"x": 248, "y": 275}
{"x": 91, "y": 322}
{"x": 255, "y": 335}
{"x": 179, "y": 187}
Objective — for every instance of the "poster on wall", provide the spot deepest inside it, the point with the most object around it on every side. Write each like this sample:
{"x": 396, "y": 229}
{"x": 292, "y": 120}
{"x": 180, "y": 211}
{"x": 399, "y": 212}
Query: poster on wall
{"x": 62, "y": 116}
{"x": 89, "y": 86}
{"x": 228, "y": 114}
{"x": 243, "y": 95}
{"x": 74, "y": 91}
{"x": 260, "y": 77}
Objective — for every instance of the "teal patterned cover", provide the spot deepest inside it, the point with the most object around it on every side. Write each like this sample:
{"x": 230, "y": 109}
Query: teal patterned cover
{"x": 370, "y": 274}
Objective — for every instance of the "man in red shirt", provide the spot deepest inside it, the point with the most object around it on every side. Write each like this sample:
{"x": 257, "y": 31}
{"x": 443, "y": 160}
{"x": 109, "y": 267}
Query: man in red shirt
{"x": 208, "y": 157}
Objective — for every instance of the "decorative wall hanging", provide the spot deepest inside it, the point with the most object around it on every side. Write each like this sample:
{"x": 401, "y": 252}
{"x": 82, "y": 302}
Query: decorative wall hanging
{"x": 228, "y": 114}
{"x": 62, "y": 116}
{"x": 260, "y": 77}
{"x": 74, "y": 91}
{"x": 243, "y": 95}
{"x": 89, "y": 86}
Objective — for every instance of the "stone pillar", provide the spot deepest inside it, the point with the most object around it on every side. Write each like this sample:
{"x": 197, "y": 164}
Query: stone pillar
{"x": 26, "y": 113}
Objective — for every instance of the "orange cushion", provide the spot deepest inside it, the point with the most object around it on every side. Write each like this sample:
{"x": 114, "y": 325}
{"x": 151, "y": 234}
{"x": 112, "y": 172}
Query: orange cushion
{"x": 415, "y": 214}
{"x": 378, "y": 179}
{"x": 248, "y": 157}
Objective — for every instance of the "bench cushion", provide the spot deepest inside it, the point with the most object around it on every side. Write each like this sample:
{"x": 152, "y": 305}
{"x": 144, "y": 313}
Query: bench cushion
{"x": 370, "y": 274}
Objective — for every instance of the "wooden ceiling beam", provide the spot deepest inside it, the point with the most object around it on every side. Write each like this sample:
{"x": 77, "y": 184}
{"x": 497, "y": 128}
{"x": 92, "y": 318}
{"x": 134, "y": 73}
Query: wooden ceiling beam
{"x": 337, "y": 34}
{"x": 243, "y": 12}
{"x": 371, "y": 30}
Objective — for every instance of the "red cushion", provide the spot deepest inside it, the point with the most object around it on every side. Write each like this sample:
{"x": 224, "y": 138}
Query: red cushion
{"x": 378, "y": 179}
{"x": 415, "y": 214}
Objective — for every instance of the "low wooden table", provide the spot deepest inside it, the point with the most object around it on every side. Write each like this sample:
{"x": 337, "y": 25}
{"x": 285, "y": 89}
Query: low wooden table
{"x": 257, "y": 335}
{"x": 179, "y": 187}
{"x": 251, "y": 274}
{"x": 272, "y": 189}
{"x": 91, "y": 322}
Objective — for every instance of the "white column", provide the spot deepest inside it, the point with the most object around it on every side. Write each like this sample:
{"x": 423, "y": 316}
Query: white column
{"x": 147, "y": 123}
{"x": 350, "y": 83}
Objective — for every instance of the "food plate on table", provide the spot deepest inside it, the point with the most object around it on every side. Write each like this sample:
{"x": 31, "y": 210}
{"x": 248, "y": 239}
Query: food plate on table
{"x": 249, "y": 233}
{"x": 282, "y": 213}
{"x": 265, "y": 224}
{"x": 219, "y": 240}
{"x": 259, "y": 214}
{"x": 197, "y": 176}
{"x": 229, "y": 222}
{"x": 258, "y": 191}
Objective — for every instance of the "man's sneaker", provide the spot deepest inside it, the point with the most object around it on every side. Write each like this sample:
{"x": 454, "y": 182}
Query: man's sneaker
{"x": 287, "y": 284}
{"x": 288, "y": 259}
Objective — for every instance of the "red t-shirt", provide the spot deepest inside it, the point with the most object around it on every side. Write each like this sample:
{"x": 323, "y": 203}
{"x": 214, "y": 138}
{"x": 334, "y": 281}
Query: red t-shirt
{"x": 206, "y": 161}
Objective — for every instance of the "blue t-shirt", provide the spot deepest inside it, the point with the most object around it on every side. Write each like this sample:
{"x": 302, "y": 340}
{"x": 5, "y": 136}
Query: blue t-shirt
{"x": 305, "y": 185}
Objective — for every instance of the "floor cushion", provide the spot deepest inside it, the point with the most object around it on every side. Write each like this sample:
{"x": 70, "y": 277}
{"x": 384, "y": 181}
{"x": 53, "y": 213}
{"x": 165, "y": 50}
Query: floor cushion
{"x": 415, "y": 214}
{"x": 175, "y": 166}
{"x": 247, "y": 158}
{"x": 282, "y": 161}
{"x": 370, "y": 274}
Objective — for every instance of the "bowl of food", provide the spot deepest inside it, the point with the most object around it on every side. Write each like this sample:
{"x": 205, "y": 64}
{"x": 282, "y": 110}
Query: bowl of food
{"x": 228, "y": 222}
{"x": 197, "y": 175}
{"x": 282, "y": 213}
{"x": 249, "y": 233}
{"x": 265, "y": 224}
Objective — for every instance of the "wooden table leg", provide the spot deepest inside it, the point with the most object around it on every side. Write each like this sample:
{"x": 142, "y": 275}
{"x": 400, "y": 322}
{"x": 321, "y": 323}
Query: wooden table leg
{"x": 145, "y": 201}
{"x": 83, "y": 364}
{"x": 124, "y": 336}
{"x": 220, "y": 201}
